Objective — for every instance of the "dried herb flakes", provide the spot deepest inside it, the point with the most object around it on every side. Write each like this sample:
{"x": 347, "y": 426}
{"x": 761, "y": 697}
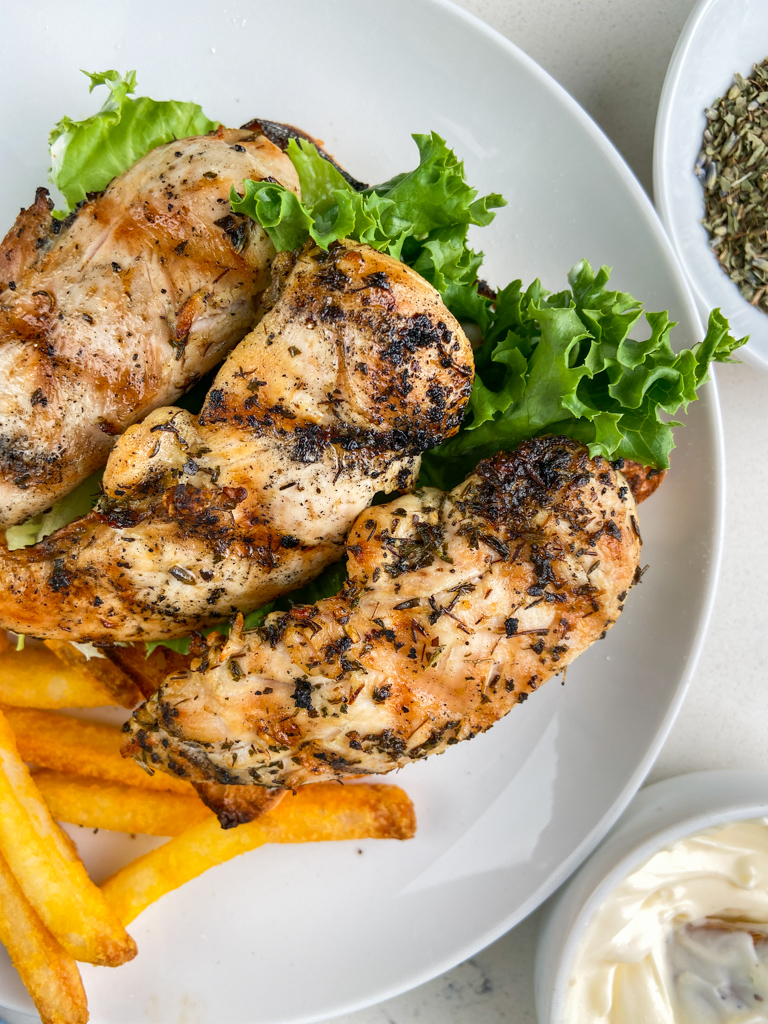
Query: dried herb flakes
{"x": 733, "y": 168}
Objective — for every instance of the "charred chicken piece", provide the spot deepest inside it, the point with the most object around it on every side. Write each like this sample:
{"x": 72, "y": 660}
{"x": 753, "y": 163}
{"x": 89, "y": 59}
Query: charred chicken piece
{"x": 458, "y": 606}
{"x": 643, "y": 480}
{"x": 123, "y": 306}
{"x": 236, "y": 805}
{"x": 356, "y": 369}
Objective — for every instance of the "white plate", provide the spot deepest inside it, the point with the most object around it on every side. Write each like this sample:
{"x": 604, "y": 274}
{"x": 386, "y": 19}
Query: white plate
{"x": 297, "y": 934}
{"x": 719, "y": 38}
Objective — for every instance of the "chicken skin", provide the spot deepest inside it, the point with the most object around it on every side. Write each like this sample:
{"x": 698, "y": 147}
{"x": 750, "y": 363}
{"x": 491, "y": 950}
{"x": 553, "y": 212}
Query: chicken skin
{"x": 356, "y": 369}
{"x": 457, "y": 607}
{"x": 120, "y": 308}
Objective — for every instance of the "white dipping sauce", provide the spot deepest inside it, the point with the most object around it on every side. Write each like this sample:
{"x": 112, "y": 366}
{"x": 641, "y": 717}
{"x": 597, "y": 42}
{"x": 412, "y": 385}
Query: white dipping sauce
{"x": 645, "y": 957}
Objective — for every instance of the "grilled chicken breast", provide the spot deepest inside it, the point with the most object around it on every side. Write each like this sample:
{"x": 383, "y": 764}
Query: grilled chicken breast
{"x": 121, "y": 307}
{"x": 457, "y": 607}
{"x": 356, "y": 369}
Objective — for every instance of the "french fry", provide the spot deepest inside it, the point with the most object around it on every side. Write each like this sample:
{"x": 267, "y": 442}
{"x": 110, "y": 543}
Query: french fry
{"x": 49, "y": 871}
{"x": 320, "y": 812}
{"x": 98, "y": 804}
{"x": 50, "y": 975}
{"x": 68, "y": 744}
{"x": 103, "y": 675}
{"x": 36, "y": 678}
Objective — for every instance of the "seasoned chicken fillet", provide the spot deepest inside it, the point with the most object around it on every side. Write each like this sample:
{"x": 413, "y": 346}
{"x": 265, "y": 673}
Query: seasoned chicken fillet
{"x": 457, "y": 607}
{"x": 121, "y": 307}
{"x": 356, "y": 369}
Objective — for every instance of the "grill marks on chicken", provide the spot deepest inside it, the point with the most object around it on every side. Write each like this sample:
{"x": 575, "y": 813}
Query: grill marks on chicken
{"x": 458, "y": 606}
{"x": 356, "y": 369}
{"x": 121, "y": 307}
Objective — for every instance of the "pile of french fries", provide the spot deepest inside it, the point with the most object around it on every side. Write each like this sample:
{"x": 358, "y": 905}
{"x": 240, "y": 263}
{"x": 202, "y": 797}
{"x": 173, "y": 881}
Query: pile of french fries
{"x": 56, "y": 767}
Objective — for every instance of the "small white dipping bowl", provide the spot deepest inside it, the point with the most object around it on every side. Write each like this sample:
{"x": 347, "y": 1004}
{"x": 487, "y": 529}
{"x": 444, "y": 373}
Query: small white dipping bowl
{"x": 657, "y": 817}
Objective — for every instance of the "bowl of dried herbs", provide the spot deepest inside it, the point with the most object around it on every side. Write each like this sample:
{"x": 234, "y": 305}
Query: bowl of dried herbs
{"x": 711, "y": 162}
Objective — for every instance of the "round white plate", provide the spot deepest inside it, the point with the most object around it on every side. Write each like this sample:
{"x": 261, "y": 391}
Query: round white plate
{"x": 298, "y": 934}
{"x": 719, "y": 38}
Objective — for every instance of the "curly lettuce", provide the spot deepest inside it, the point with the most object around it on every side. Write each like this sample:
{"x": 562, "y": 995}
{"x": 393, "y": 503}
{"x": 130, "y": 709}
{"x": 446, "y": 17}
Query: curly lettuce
{"x": 420, "y": 217}
{"x": 86, "y": 155}
{"x": 566, "y": 364}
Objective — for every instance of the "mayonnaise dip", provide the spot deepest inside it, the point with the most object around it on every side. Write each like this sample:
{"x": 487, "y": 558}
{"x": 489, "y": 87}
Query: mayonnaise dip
{"x": 680, "y": 940}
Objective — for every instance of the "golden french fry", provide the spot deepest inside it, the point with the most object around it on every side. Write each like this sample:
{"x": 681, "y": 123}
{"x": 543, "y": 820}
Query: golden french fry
{"x": 98, "y": 804}
{"x": 49, "y": 974}
{"x": 103, "y": 675}
{"x": 320, "y": 812}
{"x": 69, "y": 744}
{"x": 49, "y": 871}
{"x": 36, "y": 678}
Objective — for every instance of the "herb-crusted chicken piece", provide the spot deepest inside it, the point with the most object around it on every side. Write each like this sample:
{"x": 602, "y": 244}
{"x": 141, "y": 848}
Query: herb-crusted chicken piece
{"x": 121, "y": 307}
{"x": 458, "y": 606}
{"x": 356, "y": 369}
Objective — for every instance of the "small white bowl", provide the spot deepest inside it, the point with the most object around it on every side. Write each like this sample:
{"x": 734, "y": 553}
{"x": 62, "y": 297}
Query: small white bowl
{"x": 720, "y": 37}
{"x": 657, "y": 817}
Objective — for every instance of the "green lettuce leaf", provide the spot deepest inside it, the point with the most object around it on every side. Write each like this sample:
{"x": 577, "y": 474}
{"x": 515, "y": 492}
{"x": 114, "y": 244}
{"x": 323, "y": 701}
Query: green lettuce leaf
{"x": 566, "y": 364}
{"x": 86, "y": 155}
{"x": 79, "y": 503}
{"x": 421, "y": 217}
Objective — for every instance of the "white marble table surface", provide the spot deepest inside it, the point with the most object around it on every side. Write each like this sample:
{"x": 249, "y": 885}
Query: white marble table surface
{"x": 612, "y": 55}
